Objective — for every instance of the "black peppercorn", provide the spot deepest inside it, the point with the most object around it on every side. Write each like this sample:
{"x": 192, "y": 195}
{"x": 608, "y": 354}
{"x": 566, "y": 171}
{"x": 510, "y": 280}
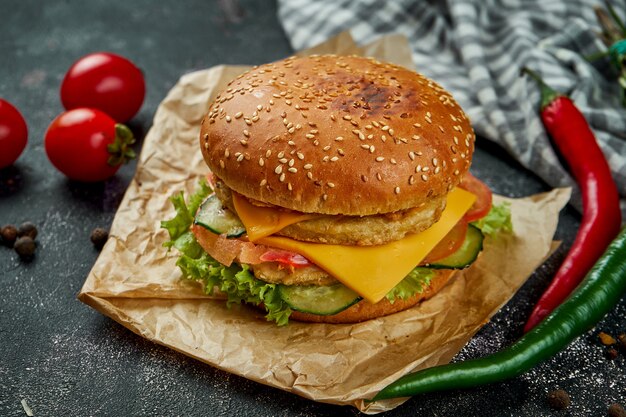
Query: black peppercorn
{"x": 9, "y": 234}
{"x": 99, "y": 237}
{"x": 25, "y": 247}
{"x": 558, "y": 399}
{"x": 27, "y": 229}
{"x": 616, "y": 410}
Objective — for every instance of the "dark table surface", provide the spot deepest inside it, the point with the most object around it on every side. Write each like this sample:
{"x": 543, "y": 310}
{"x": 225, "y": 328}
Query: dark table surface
{"x": 66, "y": 359}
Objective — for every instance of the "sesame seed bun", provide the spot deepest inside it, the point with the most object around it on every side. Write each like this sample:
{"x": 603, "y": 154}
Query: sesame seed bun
{"x": 337, "y": 135}
{"x": 366, "y": 311}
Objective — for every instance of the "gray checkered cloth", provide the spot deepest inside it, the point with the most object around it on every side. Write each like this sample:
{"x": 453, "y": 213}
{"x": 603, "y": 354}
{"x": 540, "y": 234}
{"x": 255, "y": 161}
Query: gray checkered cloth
{"x": 476, "y": 48}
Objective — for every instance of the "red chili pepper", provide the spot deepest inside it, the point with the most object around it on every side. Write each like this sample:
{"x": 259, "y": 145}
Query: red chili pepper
{"x": 601, "y": 212}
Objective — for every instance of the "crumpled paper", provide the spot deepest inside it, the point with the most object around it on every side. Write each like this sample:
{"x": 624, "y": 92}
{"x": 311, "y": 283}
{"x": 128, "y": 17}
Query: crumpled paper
{"x": 136, "y": 283}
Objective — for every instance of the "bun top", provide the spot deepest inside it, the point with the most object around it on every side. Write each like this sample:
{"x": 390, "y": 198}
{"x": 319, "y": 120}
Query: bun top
{"x": 337, "y": 135}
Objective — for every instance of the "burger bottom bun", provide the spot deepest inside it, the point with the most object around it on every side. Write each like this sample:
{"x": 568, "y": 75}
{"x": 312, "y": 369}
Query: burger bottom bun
{"x": 364, "y": 310}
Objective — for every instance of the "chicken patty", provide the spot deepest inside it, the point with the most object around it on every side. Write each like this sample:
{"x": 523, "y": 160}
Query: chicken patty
{"x": 355, "y": 230}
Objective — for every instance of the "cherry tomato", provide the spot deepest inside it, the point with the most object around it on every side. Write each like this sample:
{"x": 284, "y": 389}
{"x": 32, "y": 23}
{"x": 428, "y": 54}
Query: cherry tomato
{"x": 449, "y": 244}
{"x": 87, "y": 145}
{"x": 482, "y": 205}
{"x": 13, "y": 134}
{"x": 106, "y": 82}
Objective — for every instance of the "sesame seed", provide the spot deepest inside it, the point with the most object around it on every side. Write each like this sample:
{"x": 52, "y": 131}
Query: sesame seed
{"x": 228, "y": 119}
{"x": 418, "y": 168}
{"x": 393, "y": 161}
{"x": 293, "y": 170}
{"x": 425, "y": 169}
{"x": 397, "y": 190}
{"x": 283, "y": 160}
{"x": 243, "y": 142}
{"x": 375, "y": 123}
{"x": 263, "y": 182}
{"x": 424, "y": 177}
{"x": 288, "y": 102}
{"x": 307, "y": 166}
{"x": 293, "y": 129}
{"x": 268, "y": 153}
{"x": 300, "y": 155}
{"x": 309, "y": 136}
{"x": 347, "y": 117}
{"x": 289, "y": 125}
{"x": 314, "y": 131}
{"x": 417, "y": 125}
{"x": 327, "y": 147}
{"x": 291, "y": 143}
{"x": 435, "y": 162}
{"x": 289, "y": 187}
{"x": 226, "y": 153}
{"x": 238, "y": 115}
{"x": 309, "y": 175}
{"x": 437, "y": 170}
{"x": 391, "y": 132}
{"x": 255, "y": 119}
{"x": 248, "y": 122}
{"x": 334, "y": 158}
{"x": 368, "y": 127}
{"x": 246, "y": 133}
{"x": 383, "y": 138}
{"x": 330, "y": 184}
{"x": 363, "y": 178}
{"x": 325, "y": 158}
{"x": 428, "y": 120}
{"x": 325, "y": 197}
{"x": 456, "y": 140}
{"x": 259, "y": 107}
{"x": 411, "y": 180}
{"x": 278, "y": 169}
{"x": 379, "y": 177}
{"x": 280, "y": 154}
{"x": 240, "y": 158}
{"x": 385, "y": 128}
{"x": 456, "y": 172}
{"x": 380, "y": 158}
{"x": 332, "y": 117}
{"x": 412, "y": 155}
{"x": 261, "y": 161}
{"x": 282, "y": 177}
{"x": 339, "y": 138}
{"x": 291, "y": 162}
{"x": 364, "y": 146}
{"x": 221, "y": 164}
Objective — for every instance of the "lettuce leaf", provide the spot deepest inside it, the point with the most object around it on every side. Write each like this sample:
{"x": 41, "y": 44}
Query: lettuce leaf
{"x": 236, "y": 281}
{"x": 497, "y": 220}
{"x": 414, "y": 283}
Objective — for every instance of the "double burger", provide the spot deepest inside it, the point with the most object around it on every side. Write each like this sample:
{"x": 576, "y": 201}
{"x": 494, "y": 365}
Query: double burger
{"x": 340, "y": 190}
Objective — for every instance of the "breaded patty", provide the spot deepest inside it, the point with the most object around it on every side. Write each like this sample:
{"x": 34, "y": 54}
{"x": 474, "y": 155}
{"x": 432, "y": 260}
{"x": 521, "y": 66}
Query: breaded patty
{"x": 356, "y": 230}
{"x": 273, "y": 273}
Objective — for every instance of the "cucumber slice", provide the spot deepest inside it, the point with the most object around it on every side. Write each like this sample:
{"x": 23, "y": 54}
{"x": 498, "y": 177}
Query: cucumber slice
{"x": 323, "y": 301}
{"x": 212, "y": 216}
{"x": 466, "y": 254}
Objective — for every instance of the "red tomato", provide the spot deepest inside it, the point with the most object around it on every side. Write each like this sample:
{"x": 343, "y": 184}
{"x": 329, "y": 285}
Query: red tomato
{"x": 482, "y": 205}
{"x": 285, "y": 257}
{"x": 87, "y": 145}
{"x": 106, "y": 82}
{"x": 13, "y": 134}
{"x": 449, "y": 244}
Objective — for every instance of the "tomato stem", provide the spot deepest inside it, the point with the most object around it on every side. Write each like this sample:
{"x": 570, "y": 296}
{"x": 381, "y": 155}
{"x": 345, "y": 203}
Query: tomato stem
{"x": 121, "y": 150}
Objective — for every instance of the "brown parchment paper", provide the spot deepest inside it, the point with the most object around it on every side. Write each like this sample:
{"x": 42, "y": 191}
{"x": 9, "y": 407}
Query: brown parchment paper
{"x": 135, "y": 280}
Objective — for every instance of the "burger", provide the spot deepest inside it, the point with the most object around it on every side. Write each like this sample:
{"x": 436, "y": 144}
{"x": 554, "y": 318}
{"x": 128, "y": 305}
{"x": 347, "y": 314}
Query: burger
{"x": 339, "y": 191}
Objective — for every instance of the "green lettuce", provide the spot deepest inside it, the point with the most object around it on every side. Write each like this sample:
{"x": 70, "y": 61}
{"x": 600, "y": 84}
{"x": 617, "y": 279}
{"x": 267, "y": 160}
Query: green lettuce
{"x": 414, "y": 283}
{"x": 236, "y": 281}
{"x": 497, "y": 220}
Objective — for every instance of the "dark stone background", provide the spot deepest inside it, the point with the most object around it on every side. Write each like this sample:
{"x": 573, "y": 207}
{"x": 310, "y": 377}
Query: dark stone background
{"x": 66, "y": 359}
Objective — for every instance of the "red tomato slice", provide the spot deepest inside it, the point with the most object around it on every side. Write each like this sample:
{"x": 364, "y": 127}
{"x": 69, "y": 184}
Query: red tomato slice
{"x": 449, "y": 244}
{"x": 482, "y": 205}
{"x": 285, "y": 257}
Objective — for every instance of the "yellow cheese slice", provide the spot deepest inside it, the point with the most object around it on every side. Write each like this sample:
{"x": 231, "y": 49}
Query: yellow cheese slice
{"x": 372, "y": 271}
{"x": 264, "y": 221}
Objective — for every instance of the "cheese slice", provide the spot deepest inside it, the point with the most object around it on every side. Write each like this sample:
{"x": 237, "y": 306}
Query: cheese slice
{"x": 372, "y": 271}
{"x": 265, "y": 221}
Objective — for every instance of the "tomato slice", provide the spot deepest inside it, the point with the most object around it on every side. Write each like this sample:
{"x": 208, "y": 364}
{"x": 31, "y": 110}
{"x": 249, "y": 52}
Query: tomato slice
{"x": 285, "y": 257}
{"x": 482, "y": 205}
{"x": 449, "y": 244}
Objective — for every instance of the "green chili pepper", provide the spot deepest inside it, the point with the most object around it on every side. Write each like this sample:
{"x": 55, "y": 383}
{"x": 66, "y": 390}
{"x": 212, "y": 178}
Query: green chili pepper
{"x": 600, "y": 291}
